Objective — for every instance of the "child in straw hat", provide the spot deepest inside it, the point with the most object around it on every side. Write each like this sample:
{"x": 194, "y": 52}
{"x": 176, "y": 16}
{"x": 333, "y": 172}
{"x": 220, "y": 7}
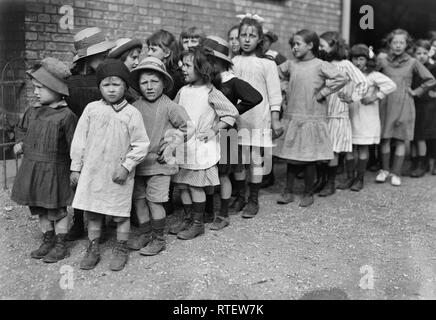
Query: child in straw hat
{"x": 109, "y": 142}
{"x": 162, "y": 118}
{"x": 45, "y": 133}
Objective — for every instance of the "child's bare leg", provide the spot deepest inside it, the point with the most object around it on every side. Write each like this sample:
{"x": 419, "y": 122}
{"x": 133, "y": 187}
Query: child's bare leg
{"x": 386, "y": 154}
{"x": 198, "y": 206}
{"x": 61, "y": 226}
{"x": 400, "y": 151}
{"x": 94, "y": 225}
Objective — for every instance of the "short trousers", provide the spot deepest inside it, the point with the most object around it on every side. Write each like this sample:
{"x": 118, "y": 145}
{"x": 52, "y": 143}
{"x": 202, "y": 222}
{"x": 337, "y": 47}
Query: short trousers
{"x": 153, "y": 188}
{"x": 52, "y": 214}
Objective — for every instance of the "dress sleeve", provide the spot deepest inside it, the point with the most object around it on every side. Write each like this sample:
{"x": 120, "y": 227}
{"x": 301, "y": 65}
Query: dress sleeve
{"x": 139, "y": 142}
{"x": 384, "y": 84}
{"x": 272, "y": 81}
{"x": 248, "y": 96}
{"x": 359, "y": 80}
{"x": 78, "y": 144}
{"x": 23, "y": 125}
{"x": 334, "y": 79}
{"x": 428, "y": 81}
{"x": 225, "y": 110}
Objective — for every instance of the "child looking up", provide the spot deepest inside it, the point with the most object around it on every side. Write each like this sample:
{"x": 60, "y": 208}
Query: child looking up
{"x": 109, "y": 142}
{"x": 45, "y": 133}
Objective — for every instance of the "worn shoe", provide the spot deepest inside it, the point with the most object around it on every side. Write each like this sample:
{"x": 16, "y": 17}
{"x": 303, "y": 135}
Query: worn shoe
{"x": 306, "y": 201}
{"x": 285, "y": 198}
{"x": 92, "y": 256}
{"x": 237, "y": 206}
{"x": 395, "y": 180}
{"x": 382, "y": 176}
{"x": 48, "y": 242}
{"x": 250, "y": 210}
{"x": 120, "y": 255}
{"x": 154, "y": 247}
{"x": 180, "y": 225}
{"x": 328, "y": 190}
{"x": 139, "y": 242}
{"x": 194, "y": 230}
{"x": 220, "y": 223}
{"x": 419, "y": 171}
{"x": 357, "y": 185}
{"x": 59, "y": 251}
{"x": 346, "y": 184}
{"x": 209, "y": 217}
{"x": 268, "y": 180}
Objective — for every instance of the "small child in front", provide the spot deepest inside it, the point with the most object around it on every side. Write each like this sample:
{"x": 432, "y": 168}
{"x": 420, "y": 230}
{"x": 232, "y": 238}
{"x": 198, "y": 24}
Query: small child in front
{"x": 109, "y": 142}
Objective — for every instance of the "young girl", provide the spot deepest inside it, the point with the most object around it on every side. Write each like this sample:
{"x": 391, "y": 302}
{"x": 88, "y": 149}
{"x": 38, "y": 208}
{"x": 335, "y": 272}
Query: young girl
{"x": 364, "y": 115}
{"x": 306, "y": 138}
{"x": 333, "y": 49}
{"x": 398, "y": 109}
{"x": 244, "y": 97}
{"x": 209, "y": 111}
{"x": 233, "y": 39}
{"x": 256, "y": 124}
{"x": 110, "y": 140}
{"x": 191, "y": 37}
{"x": 44, "y": 134}
{"x": 164, "y": 46}
{"x": 92, "y": 48}
{"x": 425, "y": 122}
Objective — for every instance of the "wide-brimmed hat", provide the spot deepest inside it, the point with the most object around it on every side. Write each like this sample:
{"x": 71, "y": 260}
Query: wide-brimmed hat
{"x": 151, "y": 63}
{"x": 272, "y": 36}
{"x": 52, "y": 74}
{"x": 112, "y": 68}
{"x": 90, "y": 41}
{"x": 218, "y": 47}
{"x": 122, "y": 45}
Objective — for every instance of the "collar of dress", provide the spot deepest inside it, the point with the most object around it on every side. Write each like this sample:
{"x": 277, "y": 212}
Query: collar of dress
{"x": 117, "y": 106}
{"x": 226, "y": 76}
{"x": 398, "y": 60}
{"x": 54, "y": 105}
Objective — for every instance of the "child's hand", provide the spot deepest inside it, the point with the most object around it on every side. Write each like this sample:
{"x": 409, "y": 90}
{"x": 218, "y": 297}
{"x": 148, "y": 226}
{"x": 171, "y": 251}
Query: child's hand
{"x": 412, "y": 92}
{"x": 277, "y": 129}
{"x": 120, "y": 175}
{"x": 18, "y": 148}
{"x": 344, "y": 97}
{"x": 369, "y": 100}
{"x": 206, "y": 135}
{"x": 319, "y": 97}
{"x": 74, "y": 179}
{"x": 167, "y": 153}
{"x": 432, "y": 94}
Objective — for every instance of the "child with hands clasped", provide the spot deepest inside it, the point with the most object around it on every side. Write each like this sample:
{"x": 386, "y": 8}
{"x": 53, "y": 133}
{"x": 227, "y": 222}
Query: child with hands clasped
{"x": 397, "y": 111}
{"x": 109, "y": 142}
{"x": 255, "y": 125}
{"x": 209, "y": 111}
{"x": 364, "y": 114}
{"x": 45, "y": 133}
{"x": 306, "y": 139}
{"x": 163, "y": 119}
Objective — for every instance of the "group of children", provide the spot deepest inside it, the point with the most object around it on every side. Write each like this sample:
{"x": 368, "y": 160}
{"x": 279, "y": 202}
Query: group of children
{"x": 114, "y": 136}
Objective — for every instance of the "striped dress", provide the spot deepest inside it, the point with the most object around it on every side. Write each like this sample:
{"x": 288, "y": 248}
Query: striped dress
{"x": 338, "y": 117}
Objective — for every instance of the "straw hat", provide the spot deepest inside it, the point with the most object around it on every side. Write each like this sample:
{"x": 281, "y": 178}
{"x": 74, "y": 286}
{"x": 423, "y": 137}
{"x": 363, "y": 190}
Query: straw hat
{"x": 151, "y": 63}
{"x": 90, "y": 41}
{"x": 122, "y": 45}
{"x": 52, "y": 74}
{"x": 218, "y": 47}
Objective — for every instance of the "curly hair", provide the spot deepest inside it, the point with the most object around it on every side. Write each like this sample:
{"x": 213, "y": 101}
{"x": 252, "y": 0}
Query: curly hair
{"x": 256, "y": 24}
{"x": 203, "y": 68}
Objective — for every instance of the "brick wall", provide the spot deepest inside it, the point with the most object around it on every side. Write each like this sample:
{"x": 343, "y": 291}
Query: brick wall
{"x": 140, "y": 18}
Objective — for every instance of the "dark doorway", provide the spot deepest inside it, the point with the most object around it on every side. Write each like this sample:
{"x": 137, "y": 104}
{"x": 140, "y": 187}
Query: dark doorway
{"x": 418, "y": 17}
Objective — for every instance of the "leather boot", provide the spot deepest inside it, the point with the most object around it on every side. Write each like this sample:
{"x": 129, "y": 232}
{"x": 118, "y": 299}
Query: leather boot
{"x": 359, "y": 181}
{"x": 239, "y": 203}
{"x": 252, "y": 207}
{"x": 321, "y": 177}
{"x": 329, "y": 188}
{"x": 59, "y": 251}
{"x": 157, "y": 244}
{"x": 185, "y": 221}
{"x": 142, "y": 239}
{"x": 92, "y": 256}
{"x": 46, "y": 245}
{"x": 420, "y": 169}
{"x": 120, "y": 255}
{"x": 197, "y": 226}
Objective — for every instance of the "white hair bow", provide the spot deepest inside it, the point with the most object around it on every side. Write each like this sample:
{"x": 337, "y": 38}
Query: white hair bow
{"x": 371, "y": 52}
{"x": 251, "y": 16}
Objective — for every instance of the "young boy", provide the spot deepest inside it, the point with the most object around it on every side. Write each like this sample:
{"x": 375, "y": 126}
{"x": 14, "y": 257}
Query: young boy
{"x": 110, "y": 140}
{"x": 162, "y": 118}
{"x": 44, "y": 134}
{"x": 191, "y": 37}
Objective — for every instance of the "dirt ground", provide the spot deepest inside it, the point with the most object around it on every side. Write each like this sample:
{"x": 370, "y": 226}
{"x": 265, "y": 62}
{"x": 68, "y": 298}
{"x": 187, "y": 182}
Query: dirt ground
{"x": 334, "y": 249}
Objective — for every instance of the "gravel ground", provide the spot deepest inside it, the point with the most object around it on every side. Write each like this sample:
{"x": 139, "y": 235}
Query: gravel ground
{"x": 284, "y": 253}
